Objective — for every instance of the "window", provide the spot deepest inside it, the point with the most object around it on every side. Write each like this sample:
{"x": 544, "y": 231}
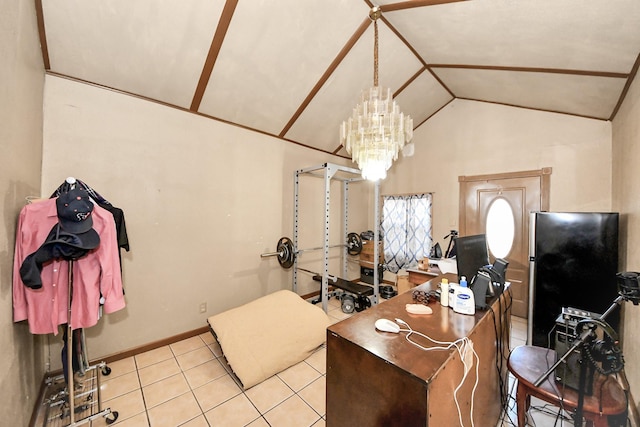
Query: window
{"x": 406, "y": 228}
{"x": 500, "y": 228}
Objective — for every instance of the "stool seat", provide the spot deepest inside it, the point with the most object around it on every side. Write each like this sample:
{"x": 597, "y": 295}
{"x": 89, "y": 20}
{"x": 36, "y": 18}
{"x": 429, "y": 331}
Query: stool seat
{"x": 528, "y": 363}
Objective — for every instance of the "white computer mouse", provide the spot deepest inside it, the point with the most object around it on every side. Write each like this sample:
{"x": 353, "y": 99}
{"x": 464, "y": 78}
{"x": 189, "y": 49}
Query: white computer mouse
{"x": 387, "y": 325}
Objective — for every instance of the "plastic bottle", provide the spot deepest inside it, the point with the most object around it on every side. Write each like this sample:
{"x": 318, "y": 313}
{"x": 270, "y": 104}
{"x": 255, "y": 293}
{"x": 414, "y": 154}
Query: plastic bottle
{"x": 463, "y": 300}
{"x": 444, "y": 292}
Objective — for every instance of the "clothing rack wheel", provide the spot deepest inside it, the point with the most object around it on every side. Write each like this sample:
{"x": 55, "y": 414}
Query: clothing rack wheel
{"x": 113, "y": 419}
{"x": 87, "y": 400}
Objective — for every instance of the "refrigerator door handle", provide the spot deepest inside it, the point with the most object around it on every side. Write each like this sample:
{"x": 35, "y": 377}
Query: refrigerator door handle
{"x": 532, "y": 264}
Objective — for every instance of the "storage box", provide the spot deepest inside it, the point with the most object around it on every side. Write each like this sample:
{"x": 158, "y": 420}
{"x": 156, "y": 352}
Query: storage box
{"x": 402, "y": 282}
{"x": 366, "y": 256}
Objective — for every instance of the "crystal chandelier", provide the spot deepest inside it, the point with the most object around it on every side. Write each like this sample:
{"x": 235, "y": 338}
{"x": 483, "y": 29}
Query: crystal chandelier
{"x": 377, "y": 130}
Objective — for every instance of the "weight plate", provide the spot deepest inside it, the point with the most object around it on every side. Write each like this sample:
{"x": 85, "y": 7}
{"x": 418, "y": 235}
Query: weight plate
{"x": 347, "y": 304}
{"x": 362, "y": 303}
{"x": 286, "y": 254}
{"x": 354, "y": 244}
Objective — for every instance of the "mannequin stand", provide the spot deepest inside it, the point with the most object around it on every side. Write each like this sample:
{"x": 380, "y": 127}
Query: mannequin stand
{"x": 70, "y": 403}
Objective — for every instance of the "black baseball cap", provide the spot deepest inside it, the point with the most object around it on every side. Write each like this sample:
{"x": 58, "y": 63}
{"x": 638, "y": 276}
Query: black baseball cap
{"x": 74, "y": 211}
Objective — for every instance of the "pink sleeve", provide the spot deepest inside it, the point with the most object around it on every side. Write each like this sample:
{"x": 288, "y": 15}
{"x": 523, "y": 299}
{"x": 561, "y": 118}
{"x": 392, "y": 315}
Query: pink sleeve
{"x": 19, "y": 299}
{"x": 111, "y": 277}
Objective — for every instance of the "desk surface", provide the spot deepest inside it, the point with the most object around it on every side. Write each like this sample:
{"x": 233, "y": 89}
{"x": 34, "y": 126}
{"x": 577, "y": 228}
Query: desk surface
{"x": 432, "y": 271}
{"x": 443, "y": 325}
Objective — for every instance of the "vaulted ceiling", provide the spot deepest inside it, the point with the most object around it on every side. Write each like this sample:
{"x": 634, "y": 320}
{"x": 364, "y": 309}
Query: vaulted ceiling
{"x": 294, "y": 69}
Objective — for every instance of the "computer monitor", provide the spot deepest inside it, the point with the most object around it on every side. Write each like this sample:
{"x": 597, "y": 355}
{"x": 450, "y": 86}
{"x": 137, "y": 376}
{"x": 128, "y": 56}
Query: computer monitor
{"x": 471, "y": 255}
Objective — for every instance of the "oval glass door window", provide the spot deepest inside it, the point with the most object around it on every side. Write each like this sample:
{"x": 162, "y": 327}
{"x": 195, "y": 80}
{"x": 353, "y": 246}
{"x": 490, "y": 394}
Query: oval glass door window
{"x": 500, "y": 228}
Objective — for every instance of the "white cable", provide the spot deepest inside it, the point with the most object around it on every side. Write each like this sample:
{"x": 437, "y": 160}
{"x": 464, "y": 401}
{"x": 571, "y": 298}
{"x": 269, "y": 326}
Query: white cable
{"x": 466, "y": 347}
{"x": 411, "y": 331}
{"x": 462, "y": 346}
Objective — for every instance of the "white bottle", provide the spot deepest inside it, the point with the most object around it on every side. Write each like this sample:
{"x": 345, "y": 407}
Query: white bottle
{"x": 463, "y": 300}
{"x": 444, "y": 292}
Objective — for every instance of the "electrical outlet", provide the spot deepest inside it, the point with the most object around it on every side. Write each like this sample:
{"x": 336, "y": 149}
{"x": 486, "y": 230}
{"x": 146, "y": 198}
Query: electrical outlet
{"x": 203, "y": 307}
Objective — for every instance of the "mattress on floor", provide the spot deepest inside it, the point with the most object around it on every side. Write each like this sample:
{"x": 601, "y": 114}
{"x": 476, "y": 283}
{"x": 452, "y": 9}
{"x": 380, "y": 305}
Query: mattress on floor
{"x": 268, "y": 335}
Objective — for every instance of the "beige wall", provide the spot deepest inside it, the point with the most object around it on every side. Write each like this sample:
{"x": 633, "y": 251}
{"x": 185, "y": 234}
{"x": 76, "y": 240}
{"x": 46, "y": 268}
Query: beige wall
{"x": 626, "y": 200}
{"x": 21, "y": 82}
{"x": 202, "y": 201}
{"x": 474, "y": 138}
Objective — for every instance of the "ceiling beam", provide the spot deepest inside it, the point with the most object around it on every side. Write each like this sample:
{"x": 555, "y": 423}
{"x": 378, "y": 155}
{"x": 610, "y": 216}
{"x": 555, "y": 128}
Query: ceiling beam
{"x": 42, "y": 34}
{"x": 325, "y": 76}
{"x": 623, "y": 95}
{"x": 185, "y": 110}
{"x": 534, "y": 70}
{"x": 414, "y": 3}
{"x": 214, "y": 50}
{"x": 417, "y": 55}
{"x": 545, "y": 110}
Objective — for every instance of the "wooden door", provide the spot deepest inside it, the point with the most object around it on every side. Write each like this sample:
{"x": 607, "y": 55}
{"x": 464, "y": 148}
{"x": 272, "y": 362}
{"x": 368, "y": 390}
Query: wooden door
{"x": 524, "y": 192}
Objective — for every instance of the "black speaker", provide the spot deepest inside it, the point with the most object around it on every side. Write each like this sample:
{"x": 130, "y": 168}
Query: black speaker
{"x": 566, "y": 332}
{"x": 480, "y": 286}
{"x": 568, "y": 372}
{"x": 500, "y": 269}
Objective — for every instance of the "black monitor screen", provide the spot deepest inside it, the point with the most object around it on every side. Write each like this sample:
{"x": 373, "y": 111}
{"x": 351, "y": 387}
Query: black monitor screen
{"x": 471, "y": 255}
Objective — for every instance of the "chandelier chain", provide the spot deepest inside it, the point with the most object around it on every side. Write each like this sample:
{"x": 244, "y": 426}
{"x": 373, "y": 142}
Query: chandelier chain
{"x": 375, "y": 53}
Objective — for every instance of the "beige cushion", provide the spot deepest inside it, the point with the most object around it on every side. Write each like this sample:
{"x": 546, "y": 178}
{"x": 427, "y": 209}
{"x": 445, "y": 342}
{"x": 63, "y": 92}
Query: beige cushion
{"x": 268, "y": 335}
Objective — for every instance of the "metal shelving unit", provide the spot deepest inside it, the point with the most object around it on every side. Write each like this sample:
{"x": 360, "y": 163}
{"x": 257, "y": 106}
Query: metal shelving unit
{"x": 329, "y": 172}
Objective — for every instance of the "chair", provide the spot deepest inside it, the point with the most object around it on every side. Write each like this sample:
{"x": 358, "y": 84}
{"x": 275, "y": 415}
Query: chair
{"x": 528, "y": 363}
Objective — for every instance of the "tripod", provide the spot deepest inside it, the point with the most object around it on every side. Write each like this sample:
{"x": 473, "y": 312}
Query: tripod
{"x": 452, "y": 235}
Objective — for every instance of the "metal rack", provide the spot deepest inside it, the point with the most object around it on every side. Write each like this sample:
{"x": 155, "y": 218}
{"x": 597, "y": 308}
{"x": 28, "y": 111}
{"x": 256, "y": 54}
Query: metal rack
{"x": 329, "y": 172}
{"x": 68, "y": 403}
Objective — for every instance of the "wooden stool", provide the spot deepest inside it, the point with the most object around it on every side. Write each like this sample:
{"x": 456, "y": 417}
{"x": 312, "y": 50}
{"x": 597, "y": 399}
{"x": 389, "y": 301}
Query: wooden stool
{"x": 528, "y": 363}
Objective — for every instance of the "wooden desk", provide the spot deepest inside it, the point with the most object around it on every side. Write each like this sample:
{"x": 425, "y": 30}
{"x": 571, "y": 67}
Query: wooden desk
{"x": 418, "y": 277}
{"x": 379, "y": 379}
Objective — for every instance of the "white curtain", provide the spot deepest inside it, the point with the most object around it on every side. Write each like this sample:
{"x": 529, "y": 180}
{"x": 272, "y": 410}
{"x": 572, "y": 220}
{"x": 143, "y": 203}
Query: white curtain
{"x": 406, "y": 227}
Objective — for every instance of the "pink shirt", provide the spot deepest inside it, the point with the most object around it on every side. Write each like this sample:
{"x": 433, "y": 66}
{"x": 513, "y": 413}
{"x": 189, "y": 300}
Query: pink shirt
{"x": 97, "y": 273}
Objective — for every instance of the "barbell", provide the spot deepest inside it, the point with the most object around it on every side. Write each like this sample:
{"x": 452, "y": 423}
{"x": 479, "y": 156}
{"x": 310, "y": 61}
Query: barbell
{"x": 286, "y": 253}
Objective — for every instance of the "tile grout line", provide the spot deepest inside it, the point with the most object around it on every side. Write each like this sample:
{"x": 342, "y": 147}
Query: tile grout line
{"x": 189, "y": 384}
{"x": 295, "y": 393}
{"x": 144, "y": 402}
{"x": 505, "y": 416}
{"x": 191, "y": 389}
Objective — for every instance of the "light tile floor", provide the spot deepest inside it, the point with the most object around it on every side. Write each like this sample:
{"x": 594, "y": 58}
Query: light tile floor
{"x": 187, "y": 384}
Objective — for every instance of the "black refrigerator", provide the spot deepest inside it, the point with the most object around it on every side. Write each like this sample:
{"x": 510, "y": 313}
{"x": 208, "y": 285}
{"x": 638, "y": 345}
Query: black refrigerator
{"x": 573, "y": 263}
